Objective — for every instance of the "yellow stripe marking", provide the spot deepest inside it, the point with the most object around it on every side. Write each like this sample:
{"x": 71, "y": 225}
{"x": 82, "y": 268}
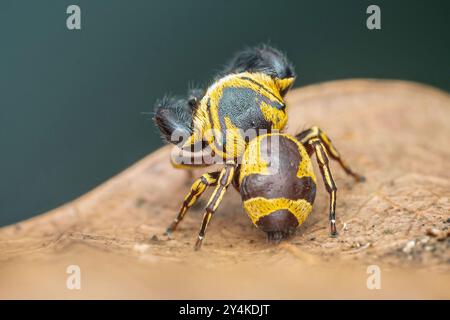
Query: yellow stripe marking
{"x": 234, "y": 140}
{"x": 253, "y": 163}
{"x": 284, "y": 83}
{"x": 202, "y": 123}
{"x": 259, "y": 207}
{"x": 276, "y": 116}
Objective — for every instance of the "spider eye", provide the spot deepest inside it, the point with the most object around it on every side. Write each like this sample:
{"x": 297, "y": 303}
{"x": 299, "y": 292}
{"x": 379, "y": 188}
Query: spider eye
{"x": 193, "y": 101}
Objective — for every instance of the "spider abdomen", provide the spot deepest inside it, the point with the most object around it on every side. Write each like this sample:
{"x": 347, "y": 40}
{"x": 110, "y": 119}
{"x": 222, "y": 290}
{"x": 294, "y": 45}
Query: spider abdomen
{"x": 277, "y": 184}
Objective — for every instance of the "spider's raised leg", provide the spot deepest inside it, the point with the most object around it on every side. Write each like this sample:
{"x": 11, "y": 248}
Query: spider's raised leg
{"x": 322, "y": 160}
{"x": 181, "y": 159}
{"x": 198, "y": 187}
{"x": 224, "y": 180}
{"x": 316, "y": 133}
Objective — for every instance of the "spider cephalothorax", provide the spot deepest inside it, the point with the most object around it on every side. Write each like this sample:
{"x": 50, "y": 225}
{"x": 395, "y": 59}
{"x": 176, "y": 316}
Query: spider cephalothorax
{"x": 272, "y": 171}
{"x": 247, "y": 95}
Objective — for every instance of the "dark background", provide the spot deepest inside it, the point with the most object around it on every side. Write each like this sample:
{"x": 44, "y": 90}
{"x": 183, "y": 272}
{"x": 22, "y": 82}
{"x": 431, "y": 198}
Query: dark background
{"x": 74, "y": 105}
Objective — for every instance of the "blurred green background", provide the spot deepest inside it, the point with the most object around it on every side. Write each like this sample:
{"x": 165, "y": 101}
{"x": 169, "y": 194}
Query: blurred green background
{"x": 74, "y": 105}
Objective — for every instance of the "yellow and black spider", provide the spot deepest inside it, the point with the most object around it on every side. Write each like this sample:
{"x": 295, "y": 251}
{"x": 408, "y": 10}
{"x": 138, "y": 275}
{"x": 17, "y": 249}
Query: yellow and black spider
{"x": 272, "y": 171}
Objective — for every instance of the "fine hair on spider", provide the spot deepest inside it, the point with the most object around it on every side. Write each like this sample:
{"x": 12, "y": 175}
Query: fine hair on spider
{"x": 271, "y": 170}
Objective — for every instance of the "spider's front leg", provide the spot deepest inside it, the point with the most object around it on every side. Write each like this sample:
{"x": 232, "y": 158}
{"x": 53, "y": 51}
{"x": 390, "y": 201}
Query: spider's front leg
{"x": 224, "y": 180}
{"x": 198, "y": 187}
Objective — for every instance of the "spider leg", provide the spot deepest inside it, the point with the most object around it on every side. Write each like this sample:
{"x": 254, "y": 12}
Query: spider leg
{"x": 188, "y": 161}
{"x": 322, "y": 160}
{"x": 224, "y": 180}
{"x": 198, "y": 187}
{"x": 316, "y": 133}
{"x": 192, "y": 161}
